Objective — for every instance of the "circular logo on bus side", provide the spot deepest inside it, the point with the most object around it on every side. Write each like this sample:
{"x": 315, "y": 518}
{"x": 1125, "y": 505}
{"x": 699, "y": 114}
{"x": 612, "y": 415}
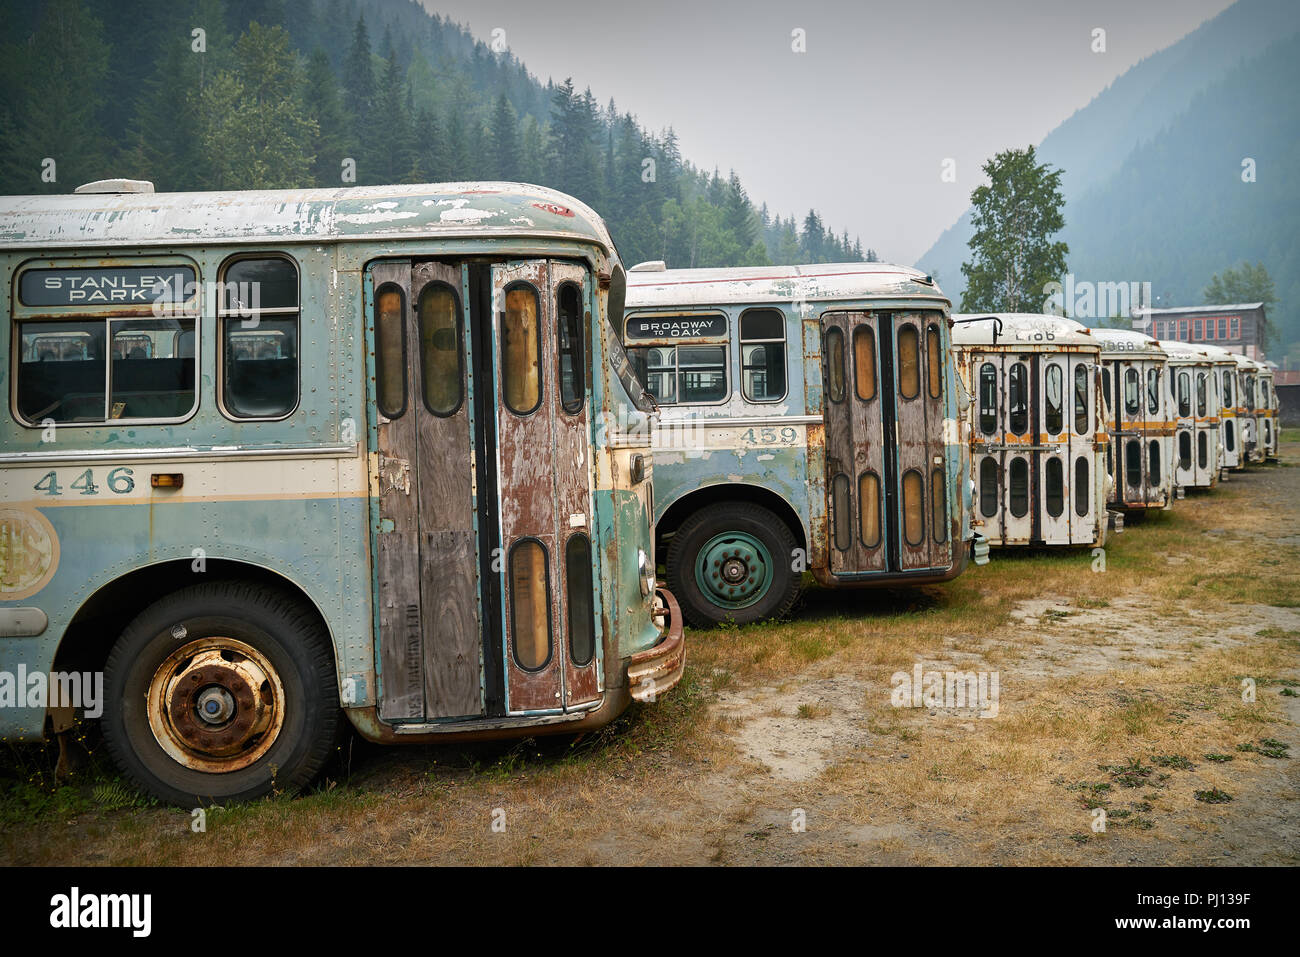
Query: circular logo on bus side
{"x": 29, "y": 553}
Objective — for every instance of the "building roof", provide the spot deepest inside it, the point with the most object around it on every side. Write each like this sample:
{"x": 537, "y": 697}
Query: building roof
{"x": 819, "y": 282}
{"x": 295, "y": 215}
{"x": 1023, "y": 329}
{"x": 1182, "y": 310}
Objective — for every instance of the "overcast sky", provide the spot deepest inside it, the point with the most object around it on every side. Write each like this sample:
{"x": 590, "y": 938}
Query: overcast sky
{"x": 859, "y": 125}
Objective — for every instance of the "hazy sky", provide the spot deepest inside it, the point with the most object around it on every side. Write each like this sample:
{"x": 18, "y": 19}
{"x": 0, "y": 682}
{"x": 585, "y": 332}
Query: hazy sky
{"x": 859, "y": 125}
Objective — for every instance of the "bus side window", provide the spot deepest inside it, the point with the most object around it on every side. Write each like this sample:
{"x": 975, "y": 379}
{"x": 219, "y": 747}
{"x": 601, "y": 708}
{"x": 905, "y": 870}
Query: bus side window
{"x": 1132, "y": 392}
{"x": 1202, "y": 394}
{"x": 1055, "y": 417}
{"x": 1153, "y": 391}
{"x": 1081, "y": 425}
{"x": 682, "y": 374}
{"x": 258, "y": 322}
{"x": 1184, "y": 394}
{"x": 573, "y": 375}
{"x": 762, "y": 355}
{"x": 988, "y": 399}
{"x": 1018, "y": 399}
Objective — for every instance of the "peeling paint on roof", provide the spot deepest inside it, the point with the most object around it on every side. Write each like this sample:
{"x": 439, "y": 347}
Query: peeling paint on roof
{"x": 797, "y": 284}
{"x": 308, "y": 215}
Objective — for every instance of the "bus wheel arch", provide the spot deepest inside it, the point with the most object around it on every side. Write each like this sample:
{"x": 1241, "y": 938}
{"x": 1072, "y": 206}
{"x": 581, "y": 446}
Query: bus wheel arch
{"x": 732, "y": 557}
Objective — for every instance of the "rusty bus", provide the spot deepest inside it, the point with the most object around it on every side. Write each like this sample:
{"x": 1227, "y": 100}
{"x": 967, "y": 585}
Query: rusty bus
{"x": 277, "y": 457}
{"x": 1228, "y": 393}
{"x": 1134, "y": 372}
{"x": 1269, "y": 413}
{"x": 1195, "y": 401}
{"x": 809, "y": 420}
{"x": 1250, "y": 413}
{"x": 1037, "y": 427}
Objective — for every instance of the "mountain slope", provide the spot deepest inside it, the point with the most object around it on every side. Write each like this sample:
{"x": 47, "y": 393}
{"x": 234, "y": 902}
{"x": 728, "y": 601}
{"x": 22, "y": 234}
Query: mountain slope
{"x": 1093, "y": 144}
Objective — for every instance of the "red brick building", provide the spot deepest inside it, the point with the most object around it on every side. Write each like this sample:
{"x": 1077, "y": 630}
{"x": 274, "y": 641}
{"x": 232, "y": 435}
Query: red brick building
{"x": 1235, "y": 328}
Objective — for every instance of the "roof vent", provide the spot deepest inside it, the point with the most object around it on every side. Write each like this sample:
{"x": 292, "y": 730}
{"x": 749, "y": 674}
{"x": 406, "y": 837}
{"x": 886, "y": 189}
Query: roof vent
{"x": 116, "y": 186}
{"x": 653, "y": 265}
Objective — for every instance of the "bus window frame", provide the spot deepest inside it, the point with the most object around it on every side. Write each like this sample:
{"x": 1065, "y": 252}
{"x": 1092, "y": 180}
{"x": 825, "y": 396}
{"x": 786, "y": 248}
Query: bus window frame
{"x": 219, "y": 332}
{"x": 741, "y": 342}
{"x": 20, "y": 315}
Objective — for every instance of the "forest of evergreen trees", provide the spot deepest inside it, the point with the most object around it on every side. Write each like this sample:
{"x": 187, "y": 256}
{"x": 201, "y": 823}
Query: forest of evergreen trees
{"x": 243, "y": 94}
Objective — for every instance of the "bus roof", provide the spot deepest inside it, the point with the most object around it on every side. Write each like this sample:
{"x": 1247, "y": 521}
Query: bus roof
{"x": 1019, "y": 330}
{"x": 818, "y": 282}
{"x": 439, "y": 210}
{"x": 1217, "y": 353}
{"x": 1127, "y": 342}
{"x": 1185, "y": 352}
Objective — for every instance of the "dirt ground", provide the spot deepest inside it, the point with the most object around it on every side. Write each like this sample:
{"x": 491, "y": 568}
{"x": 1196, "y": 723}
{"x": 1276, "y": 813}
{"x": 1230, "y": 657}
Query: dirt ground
{"x": 1160, "y": 690}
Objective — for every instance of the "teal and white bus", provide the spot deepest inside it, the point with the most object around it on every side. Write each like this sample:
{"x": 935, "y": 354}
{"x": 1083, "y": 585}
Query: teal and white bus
{"x": 272, "y": 458}
{"x": 811, "y": 419}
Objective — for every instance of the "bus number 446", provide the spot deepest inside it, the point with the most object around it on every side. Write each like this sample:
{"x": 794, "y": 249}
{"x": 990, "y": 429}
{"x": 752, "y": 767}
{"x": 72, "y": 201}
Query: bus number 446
{"x": 119, "y": 481}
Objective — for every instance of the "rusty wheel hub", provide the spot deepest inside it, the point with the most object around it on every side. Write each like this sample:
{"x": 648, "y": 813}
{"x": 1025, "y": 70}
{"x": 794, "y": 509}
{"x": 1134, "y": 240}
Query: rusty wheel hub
{"x": 216, "y": 704}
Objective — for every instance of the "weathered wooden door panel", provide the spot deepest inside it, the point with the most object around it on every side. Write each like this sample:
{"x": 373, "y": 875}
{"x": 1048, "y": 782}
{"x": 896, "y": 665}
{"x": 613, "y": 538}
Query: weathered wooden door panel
{"x": 449, "y": 587}
{"x": 576, "y": 618}
{"x": 543, "y": 469}
{"x": 401, "y": 657}
{"x": 918, "y": 378}
{"x": 856, "y": 475}
{"x": 430, "y": 634}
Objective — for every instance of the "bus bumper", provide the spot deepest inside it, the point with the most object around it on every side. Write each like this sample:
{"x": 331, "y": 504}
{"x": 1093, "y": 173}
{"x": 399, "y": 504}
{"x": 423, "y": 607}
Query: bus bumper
{"x": 979, "y": 549}
{"x": 652, "y": 672}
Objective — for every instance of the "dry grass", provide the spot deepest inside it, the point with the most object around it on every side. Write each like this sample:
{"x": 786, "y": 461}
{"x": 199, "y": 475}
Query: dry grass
{"x": 1114, "y": 688}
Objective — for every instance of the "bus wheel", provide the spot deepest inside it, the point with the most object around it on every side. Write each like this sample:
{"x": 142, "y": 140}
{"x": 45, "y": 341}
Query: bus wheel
{"x": 221, "y": 692}
{"x": 732, "y": 562}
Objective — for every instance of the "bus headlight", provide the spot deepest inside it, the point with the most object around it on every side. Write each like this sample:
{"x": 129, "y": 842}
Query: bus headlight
{"x": 645, "y": 573}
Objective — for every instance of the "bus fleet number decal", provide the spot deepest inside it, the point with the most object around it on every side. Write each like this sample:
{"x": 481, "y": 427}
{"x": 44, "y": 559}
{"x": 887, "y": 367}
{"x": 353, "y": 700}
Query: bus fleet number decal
{"x": 768, "y": 436}
{"x": 119, "y": 481}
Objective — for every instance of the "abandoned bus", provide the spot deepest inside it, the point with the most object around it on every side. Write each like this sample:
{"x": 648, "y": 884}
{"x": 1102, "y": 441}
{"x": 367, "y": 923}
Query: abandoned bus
{"x": 808, "y": 421}
{"x": 1196, "y": 414}
{"x": 1225, "y": 387}
{"x": 1268, "y": 412}
{"x": 1038, "y": 438}
{"x": 1248, "y": 411}
{"x": 1139, "y": 458}
{"x": 275, "y": 455}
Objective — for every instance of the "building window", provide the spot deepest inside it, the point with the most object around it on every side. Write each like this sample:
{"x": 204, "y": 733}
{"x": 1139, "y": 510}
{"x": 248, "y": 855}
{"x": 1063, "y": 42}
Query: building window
{"x": 762, "y": 355}
{"x": 259, "y": 338}
{"x": 1198, "y": 328}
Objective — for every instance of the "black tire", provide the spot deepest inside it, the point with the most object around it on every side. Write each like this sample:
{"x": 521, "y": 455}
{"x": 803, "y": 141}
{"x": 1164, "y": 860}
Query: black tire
{"x": 290, "y": 639}
{"x": 704, "y": 525}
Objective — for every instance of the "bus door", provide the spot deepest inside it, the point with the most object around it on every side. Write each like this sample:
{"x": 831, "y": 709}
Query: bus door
{"x": 1080, "y": 481}
{"x": 885, "y": 465}
{"x": 476, "y": 463}
{"x": 1130, "y": 449}
{"x": 990, "y": 445}
{"x": 1055, "y": 445}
